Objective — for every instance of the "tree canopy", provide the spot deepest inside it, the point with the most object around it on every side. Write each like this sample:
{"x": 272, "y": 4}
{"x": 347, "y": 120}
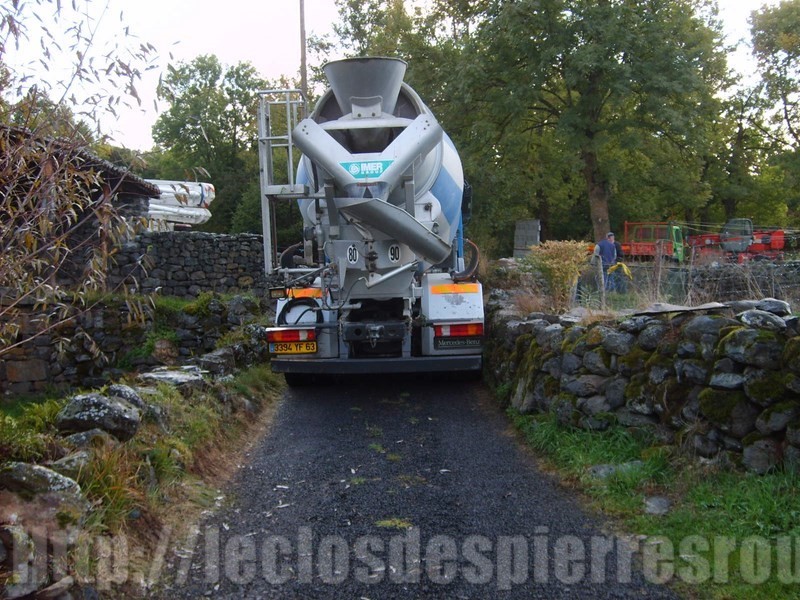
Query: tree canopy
{"x": 582, "y": 113}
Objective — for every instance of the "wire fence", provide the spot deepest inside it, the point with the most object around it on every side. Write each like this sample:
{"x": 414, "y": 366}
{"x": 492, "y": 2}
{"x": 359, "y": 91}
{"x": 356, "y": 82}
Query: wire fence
{"x": 689, "y": 285}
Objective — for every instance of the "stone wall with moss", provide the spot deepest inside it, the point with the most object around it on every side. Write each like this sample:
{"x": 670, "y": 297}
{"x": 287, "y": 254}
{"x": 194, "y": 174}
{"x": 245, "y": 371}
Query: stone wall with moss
{"x": 187, "y": 263}
{"x": 722, "y": 384}
{"x": 106, "y": 341}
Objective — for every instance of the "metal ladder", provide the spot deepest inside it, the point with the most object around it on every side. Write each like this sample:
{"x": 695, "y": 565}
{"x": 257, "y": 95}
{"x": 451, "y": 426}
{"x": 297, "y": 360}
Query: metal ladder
{"x": 294, "y": 106}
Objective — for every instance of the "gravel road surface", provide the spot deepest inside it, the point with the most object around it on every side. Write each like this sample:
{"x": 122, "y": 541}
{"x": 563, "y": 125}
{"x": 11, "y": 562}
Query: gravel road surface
{"x": 400, "y": 488}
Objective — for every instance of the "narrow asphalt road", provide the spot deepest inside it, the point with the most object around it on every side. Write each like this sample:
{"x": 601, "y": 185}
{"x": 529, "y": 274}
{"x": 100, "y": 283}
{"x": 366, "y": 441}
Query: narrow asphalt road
{"x": 400, "y": 488}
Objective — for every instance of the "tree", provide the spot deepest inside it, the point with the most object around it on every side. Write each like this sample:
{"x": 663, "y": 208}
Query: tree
{"x": 59, "y": 211}
{"x": 211, "y": 124}
{"x": 601, "y": 75}
{"x": 776, "y": 46}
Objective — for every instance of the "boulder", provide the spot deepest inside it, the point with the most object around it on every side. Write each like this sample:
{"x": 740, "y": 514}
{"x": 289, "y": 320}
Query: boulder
{"x": 38, "y": 495}
{"x": 726, "y": 365}
{"x": 738, "y": 306}
{"x": 218, "y": 362}
{"x": 628, "y": 418}
{"x": 763, "y": 387}
{"x": 552, "y": 366}
{"x": 686, "y": 349}
{"x": 639, "y": 397}
{"x": 242, "y": 309}
{"x": 754, "y": 347}
{"x": 186, "y": 379}
{"x": 791, "y": 458}
{"x": 776, "y": 307}
{"x": 166, "y": 352}
{"x": 584, "y": 385}
{"x": 691, "y": 371}
{"x": 652, "y": 335}
{"x": 607, "y": 470}
{"x": 518, "y": 397}
{"x": 731, "y": 412}
{"x": 618, "y": 342}
{"x": 704, "y": 446}
{"x": 615, "y": 392}
{"x": 96, "y": 411}
{"x": 597, "y": 362}
{"x": 690, "y": 411}
{"x": 761, "y": 454}
{"x": 128, "y": 394}
{"x": 89, "y": 439}
{"x": 29, "y": 480}
{"x": 638, "y": 323}
{"x": 727, "y": 381}
{"x": 593, "y": 405}
{"x": 706, "y": 325}
{"x": 72, "y": 464}
{"x": 657, "y": 505}
{"x": 570, "y": 363}
{"x": 776, "y": 418}
{"x": 761, "y": 319}
{"x": 550, "y": 338}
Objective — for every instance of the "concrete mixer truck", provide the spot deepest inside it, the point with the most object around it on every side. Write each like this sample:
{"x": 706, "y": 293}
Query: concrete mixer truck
{"x": 381, "y": 282}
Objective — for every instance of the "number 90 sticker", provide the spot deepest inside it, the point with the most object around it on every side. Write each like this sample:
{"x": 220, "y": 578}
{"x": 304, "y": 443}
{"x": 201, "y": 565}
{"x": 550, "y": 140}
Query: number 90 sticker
{"x": 352, "y": 254}
{"x": 394, "y": 253}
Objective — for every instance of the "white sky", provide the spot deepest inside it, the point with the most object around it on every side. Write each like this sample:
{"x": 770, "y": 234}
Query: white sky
{"x": 265, "y": 33}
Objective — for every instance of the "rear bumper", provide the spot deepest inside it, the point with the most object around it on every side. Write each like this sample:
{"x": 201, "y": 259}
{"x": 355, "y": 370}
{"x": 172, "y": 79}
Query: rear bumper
{"x": 351, "y": 366}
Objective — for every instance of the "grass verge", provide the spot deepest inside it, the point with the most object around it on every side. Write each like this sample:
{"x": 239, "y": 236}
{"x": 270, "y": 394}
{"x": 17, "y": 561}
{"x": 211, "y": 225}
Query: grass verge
{"x": 728, "y": 534}
{"x": 157, "y": 484}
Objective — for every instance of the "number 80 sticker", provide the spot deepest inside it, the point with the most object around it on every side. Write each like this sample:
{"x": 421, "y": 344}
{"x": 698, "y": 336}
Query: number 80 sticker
{"x": 352, "y": 254}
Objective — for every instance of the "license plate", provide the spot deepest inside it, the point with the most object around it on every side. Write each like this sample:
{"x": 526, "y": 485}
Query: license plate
{"x": 293, "y": 347}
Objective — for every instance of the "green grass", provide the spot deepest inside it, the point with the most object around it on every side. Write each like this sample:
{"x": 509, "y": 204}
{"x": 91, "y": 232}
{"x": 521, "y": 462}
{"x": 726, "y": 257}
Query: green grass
{"x": 375, "y": 447}
{"x": 394, "y": 523}
{"x": 722, "y": 506}
{"x": 27, "y": 428}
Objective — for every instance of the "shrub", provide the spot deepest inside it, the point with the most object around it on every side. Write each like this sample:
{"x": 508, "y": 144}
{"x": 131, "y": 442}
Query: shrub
{"x": 559, "y": 263}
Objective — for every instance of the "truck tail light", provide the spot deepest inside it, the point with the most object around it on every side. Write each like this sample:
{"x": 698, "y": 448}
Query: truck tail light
{"x": 291, "y": 335}
{"x": 461, "y": 330}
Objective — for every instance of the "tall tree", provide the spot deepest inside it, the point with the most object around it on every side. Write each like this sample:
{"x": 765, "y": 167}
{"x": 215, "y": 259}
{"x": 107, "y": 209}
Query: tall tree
{"x": 776, "y": 46}
{"x": 210, "y": 128}
{"x": 600, "y": 74}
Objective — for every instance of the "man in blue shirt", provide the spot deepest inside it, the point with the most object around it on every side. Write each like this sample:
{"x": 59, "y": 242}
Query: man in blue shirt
{"x": 607, "y": 252}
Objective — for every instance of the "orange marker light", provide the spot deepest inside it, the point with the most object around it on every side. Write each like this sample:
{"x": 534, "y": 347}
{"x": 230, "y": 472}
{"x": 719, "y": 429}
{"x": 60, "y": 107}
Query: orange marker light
{"x": 463, "y": 330}
{"x": 291, "y": 335}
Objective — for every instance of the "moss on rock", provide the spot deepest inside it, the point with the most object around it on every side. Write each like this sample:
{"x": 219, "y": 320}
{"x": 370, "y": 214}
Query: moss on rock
{"x": 634, "y": 361}
{"x": 791, "y": 354}
{"x": 765, "y": 389}
{"x": 718, "y": 405}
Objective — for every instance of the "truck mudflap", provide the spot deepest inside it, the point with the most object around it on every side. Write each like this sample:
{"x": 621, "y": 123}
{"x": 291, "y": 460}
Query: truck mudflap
{"x": 350, "y": 366}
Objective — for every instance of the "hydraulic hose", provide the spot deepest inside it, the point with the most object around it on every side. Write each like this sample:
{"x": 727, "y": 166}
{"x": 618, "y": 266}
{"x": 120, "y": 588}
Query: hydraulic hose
{"x": 311, "y": 303}
{"x": 285, "y": 259}
{"x": 469, "y": 272}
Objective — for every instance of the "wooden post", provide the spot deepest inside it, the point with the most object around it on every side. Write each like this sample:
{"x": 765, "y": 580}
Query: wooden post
{"x": 601, "y": 283}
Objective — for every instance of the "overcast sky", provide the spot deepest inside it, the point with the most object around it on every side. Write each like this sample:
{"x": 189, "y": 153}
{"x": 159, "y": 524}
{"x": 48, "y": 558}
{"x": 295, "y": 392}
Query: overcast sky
{"x": 263, "y": 32}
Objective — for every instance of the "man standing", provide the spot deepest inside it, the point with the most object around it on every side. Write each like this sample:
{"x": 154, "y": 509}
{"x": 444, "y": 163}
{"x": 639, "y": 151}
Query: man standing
{"x": 607, "y": 253}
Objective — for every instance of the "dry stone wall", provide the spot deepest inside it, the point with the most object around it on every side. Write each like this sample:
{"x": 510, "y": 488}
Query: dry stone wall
{"x": 722, "y": 383}
{"x": 187, "y": 263}
{"x": 103, "y": 343}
